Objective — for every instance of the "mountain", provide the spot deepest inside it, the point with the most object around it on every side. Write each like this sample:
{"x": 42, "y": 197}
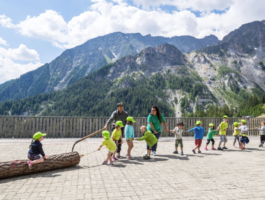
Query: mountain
{"x": 82, "y": 60}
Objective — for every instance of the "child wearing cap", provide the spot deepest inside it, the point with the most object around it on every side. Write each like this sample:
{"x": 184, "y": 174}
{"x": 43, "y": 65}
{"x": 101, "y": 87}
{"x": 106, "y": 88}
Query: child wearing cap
{"x": 36, "y": 149}
{"x": 210, "y": 134}
{"x": 262, "y": 133}
{"x": 243, "y": 134}
{"x": 198, "y": 136}
{"x": 150, "y": 139}
{"x": 178, "y": 137}
{"x": 110, "y": 145}
{"x": 236, "y": 134}
{"x": 223, "y": 127}
{"x": 117, "y": 136}
{"x": 129, "y": 135}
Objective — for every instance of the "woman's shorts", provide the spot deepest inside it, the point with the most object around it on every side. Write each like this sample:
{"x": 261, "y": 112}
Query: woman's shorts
{"x": 33, "y": 156}
{"x": 198, "y": 142}
{"x": 223, "y": 138}
{"x": 178, "y": 142}
{"x": 210, "y": 140}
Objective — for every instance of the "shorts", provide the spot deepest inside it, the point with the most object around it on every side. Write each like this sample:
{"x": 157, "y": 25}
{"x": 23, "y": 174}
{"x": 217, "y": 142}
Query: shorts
{"x": 149, "y": 148}
{"x": 112, "y": 151}
{"x": 198, "y": 142}
{"x": 33, "y": 156}
{"x": 223, "y": 138}
{"x": 129, "y": 139}
{"x": 244, "y": 139}
{"x": 236, "y": 138}
{"x": 210, "y": 140}
{"x": 178, "y": 142}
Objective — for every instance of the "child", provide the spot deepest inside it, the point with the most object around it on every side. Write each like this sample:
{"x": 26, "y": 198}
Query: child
{"x": 236, "y": 134}
{"x": 36, "y": 149}
{"x": 110, "y": 145}
{"x": 211, "y": 131}
{"x": 243, "y": 133}
{"x": 223, "y": 127}
{"x": 198, "y": 135}
{"x": 129, "y": 135}
{"x": 178, "y": 137}
{"x": 116, "y": 135}
{"x": 262, "y": 133}
{"x": 150, "y": 139}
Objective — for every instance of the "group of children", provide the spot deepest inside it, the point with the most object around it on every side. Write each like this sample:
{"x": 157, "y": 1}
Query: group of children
{"x": 112, "y": 142}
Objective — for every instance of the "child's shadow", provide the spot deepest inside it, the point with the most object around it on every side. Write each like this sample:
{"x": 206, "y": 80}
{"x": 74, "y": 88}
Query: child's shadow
{"x": 152, "y": 159}
{"x": 255, "y": 149}
{"x": 175, "y": 157}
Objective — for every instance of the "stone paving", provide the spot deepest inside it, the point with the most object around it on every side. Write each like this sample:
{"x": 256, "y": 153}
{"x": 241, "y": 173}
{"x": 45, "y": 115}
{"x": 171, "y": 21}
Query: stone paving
{"x": 230, "y": 174}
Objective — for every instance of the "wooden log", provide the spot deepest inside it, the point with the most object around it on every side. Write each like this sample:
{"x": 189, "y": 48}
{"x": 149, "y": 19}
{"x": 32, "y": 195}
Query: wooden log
{"x": 20, "y": 167}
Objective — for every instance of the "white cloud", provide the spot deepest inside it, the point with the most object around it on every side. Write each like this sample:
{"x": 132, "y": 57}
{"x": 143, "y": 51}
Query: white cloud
{"x": 11, "y": 70}
{"x": 3, "y": 42}
{"x": 21, "y": 53}
{"x": 106, "y": 17}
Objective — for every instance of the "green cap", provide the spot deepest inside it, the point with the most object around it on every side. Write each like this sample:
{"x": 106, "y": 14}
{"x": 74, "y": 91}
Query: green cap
{"x": 198, "y": 122}
{"x": 225, "y": 117}
{"x": 130, "y": 119}
{"x": 211, "y": 124}
{"x": 119, "y": 123}
{"x": 106, "y": 134}
{"x": 38, "y": 135}
{"x": 236, "y": 124}
{"x": 244, "y": 121}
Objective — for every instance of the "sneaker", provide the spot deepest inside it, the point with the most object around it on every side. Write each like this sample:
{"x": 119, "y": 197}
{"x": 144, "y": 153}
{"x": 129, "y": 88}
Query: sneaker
{"x": 111, "y": 163}
{"x": 154, "y": 153}
{"x": 30, "y": 164}
{"x": 105, "y": 162}
{"x": 225, "y": 148}
{"x": 128, "y": 157}
{"x": 213, "y": 148}
{"x": 181, "y": 153}
{"x": 112, "y": 158}
{"x": 193, "y": 151}
{"x": 234, "y": 146}
{"x": 219, "y": 148}
{"x": 131, "y": 157}
{"x": 146, "y": 157}
{"x": 175, "y": 152}
{"x": 261, "y": 145}
{"x": 118, "y": 155}
{"x": 199, "y": 151}
{"x": 206, "y": 148}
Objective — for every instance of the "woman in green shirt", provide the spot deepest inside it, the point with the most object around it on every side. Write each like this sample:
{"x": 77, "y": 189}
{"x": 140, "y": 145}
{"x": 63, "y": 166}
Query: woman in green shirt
{"x": 155, "y": 119}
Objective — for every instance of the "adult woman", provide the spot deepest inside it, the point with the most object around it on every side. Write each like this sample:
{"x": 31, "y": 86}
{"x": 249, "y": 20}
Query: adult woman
{"x": 155, "y": 119}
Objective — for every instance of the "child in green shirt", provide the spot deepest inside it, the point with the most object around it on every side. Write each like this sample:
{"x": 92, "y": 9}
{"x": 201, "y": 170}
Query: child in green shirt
{"x": 236, "y": 134}
{"x": 150, "y": 139}
{"x": 210, "y": 134}
{"x": 108, "y": 142}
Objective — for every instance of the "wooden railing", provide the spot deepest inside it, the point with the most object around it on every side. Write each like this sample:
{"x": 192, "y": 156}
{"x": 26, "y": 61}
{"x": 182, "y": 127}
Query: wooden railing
{"x": 77, "y": 127}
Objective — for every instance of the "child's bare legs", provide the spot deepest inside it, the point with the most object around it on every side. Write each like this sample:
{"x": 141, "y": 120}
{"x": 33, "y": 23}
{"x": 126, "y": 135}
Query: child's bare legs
{"x": 149, "y": 152}
{"x": 130, "y": 146}
{"x": 109, "y": 156}
{"x": 176, "y": 148}
{"x": 220, "y": 144}
{"x": 199, "y": 149}
{"x": 181, "y": 149}
{"x": 37, "y": 161}
{"x": 224, "y": 144}
{"x": 113, "y": 155}
{"x": 196, "y": 148}
{"x": 206, "y": 146}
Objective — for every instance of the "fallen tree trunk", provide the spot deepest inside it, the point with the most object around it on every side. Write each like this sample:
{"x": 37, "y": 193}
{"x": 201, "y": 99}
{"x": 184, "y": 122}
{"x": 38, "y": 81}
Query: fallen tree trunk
{"x": 20, "y": 167}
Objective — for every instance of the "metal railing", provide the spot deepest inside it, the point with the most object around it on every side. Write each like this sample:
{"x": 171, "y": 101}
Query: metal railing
{"x": 77, "y": 127}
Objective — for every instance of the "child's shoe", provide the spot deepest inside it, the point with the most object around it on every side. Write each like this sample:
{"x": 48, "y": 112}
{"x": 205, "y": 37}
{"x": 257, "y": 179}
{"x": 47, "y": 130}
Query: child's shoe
{"x": 115, "y": 158}
{"x": 213, "y": 148}
{"x": 128, "y": 157}
{"x": 199, "y": 151}
{"x": 105, "y": 162}
{"x": 219, "y": 148}
{"x": 146, "y": 157}
{"x": 206, "y": 148}
{"x": 193, "y": 151}
{"x": 225, "y": 148}
{"x": 111, "y": 163}
{"x": 234, "y": 146}
{"x": 175, "y": 152}
{"x": 153, "y": 153}
{"x": 181, "y": 153}
{"x": 118, "y": 155}
{"x": 261, "y": 145}
{"x": 30, "y": 164}
{"x": 131, "y": 157}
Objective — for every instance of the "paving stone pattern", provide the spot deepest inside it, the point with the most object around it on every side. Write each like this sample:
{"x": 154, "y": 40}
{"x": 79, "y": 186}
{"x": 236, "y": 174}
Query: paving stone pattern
{"x": 230, "y": 174}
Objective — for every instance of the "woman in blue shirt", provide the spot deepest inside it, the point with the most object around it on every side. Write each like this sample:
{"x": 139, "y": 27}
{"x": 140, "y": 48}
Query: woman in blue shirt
{"x": 129, "y": 135}
{"x": 155, "y": 119}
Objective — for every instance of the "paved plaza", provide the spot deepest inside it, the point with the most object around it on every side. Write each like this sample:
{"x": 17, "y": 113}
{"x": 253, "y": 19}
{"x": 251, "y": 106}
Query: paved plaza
{"x": 230, "y": 174}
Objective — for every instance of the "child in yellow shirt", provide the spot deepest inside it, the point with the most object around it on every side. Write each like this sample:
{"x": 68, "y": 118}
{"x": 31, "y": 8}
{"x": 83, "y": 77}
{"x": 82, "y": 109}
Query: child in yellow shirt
{"x": 236, "y": 134}
{"x": 116, "y": 136}
{"x": 108, "y": 142}
{"x": 223, "y": 127}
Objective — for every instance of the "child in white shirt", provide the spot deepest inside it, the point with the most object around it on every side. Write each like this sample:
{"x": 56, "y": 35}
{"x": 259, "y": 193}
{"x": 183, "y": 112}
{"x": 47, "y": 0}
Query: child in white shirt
{"x": 178, "y": 137}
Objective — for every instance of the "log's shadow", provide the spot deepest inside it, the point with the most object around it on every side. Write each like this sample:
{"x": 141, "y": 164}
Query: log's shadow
{"x": 47, "y": 174}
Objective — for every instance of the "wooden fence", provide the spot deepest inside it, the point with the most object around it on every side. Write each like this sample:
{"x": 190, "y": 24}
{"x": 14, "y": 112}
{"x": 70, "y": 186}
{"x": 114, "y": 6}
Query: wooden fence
{"x": 77, "y": 127}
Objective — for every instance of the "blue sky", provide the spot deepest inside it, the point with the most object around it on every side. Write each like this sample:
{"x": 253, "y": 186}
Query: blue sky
{"x": 36, "y": 32}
